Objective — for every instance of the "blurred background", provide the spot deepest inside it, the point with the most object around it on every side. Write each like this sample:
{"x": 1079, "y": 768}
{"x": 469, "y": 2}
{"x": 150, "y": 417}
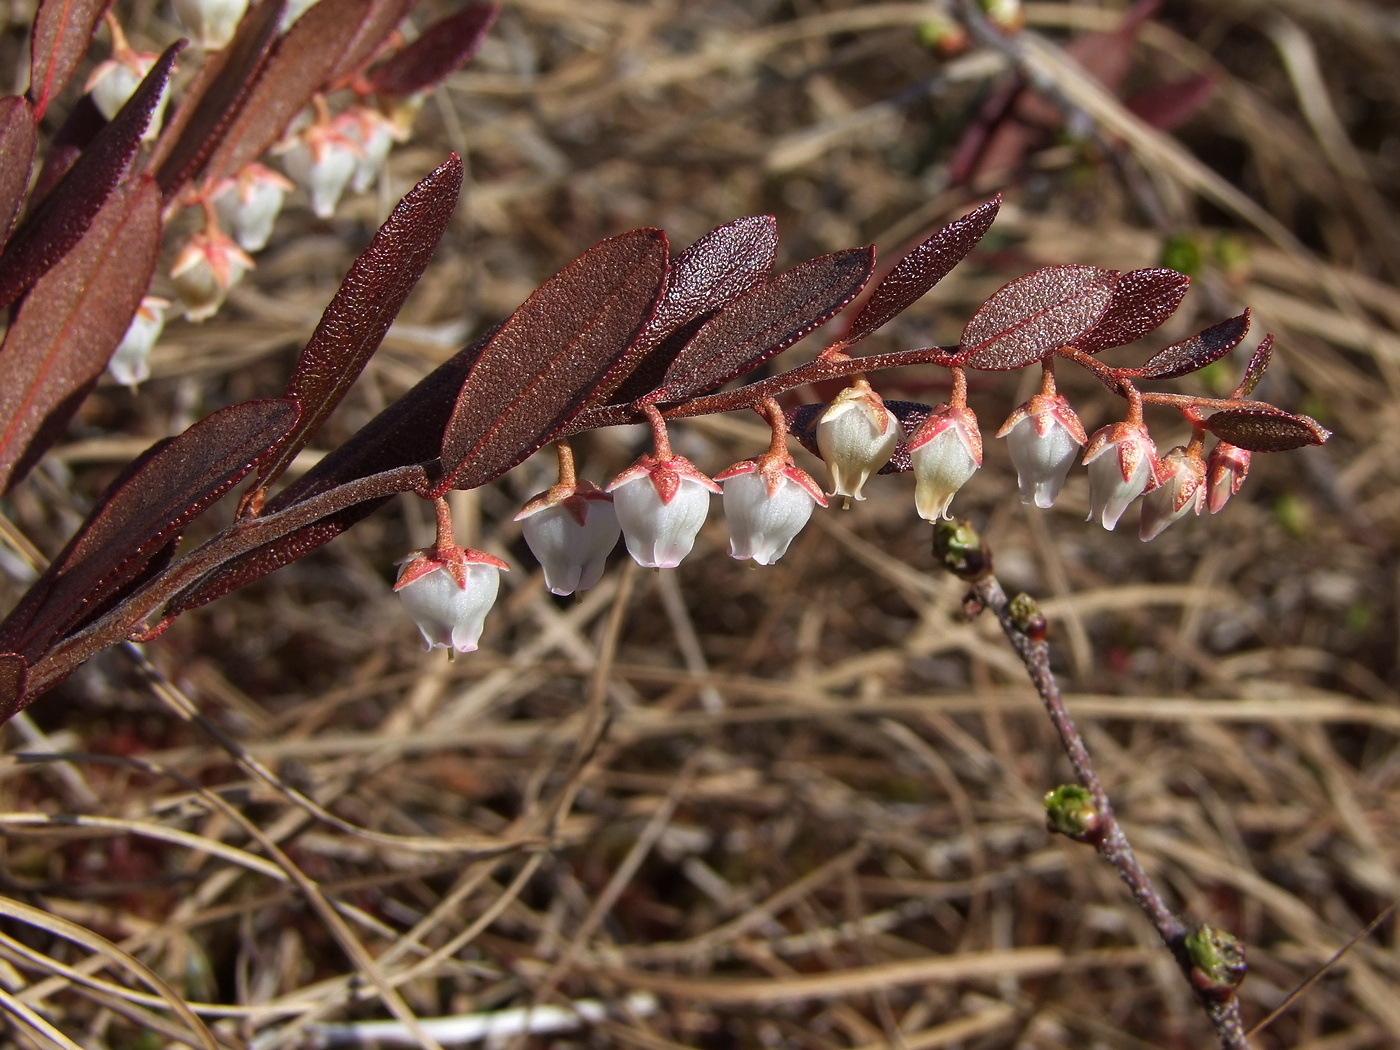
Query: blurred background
{"x": 796, "y": 806}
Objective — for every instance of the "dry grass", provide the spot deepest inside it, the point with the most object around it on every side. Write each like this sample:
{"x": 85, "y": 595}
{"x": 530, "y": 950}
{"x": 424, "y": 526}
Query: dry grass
{"x": 796, "y": 807}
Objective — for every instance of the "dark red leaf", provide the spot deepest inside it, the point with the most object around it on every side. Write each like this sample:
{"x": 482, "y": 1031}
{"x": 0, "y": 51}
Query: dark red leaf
{"x": 1141, "y": 302}
{"x": 1265, "y": 429}
{"x": 1170, "y": 105}
{"x": 77, "y": 132}
{"x": 921, "y": 269}
{"x": 1255, "y": 370}
{"x": 765, "y": 321}
{"x": 302, "y": 63}
{"x": 53, "y": 228}
{"x": 62, "y": 34}
{"x": 13, "y": 672}
{"x": 159, "y": 494}
{"x": 550, "y": 355}
{"x": 1036, "y": 314}
{"x": 18, "y": 136}
{"x": 710, "y": 274}
{"x": 366, "y": 303}
{"x": 443, "y": 48}
{"x": 374, "y": 28}
{"x": 1199, "y": 350}
{"x": 214, "y": 97}
{"x": 66, "y": 330}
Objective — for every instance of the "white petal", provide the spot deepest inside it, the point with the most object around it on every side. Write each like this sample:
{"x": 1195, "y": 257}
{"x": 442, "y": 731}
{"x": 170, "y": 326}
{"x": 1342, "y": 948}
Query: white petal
{"x": 659, "y": 535}
{"x": 761, "y": 526}
{"x": 572, "y": 555}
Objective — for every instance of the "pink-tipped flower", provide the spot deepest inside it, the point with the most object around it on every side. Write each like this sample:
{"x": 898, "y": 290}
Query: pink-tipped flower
{"x": 321, "y": 160}
{"x": 1181, "y": 489}
{"x": 205, "y": 269}
{"x": 375, "y": 134}
{"x": 1226, "y": 468}
{"x": 448, "y": 593}
{"x": 114, "y": 81}
{"x": 210, "y": 23}
{"x": 661, "y": 505}
{"x": 1122, "y": 462}
{"x": 249, "y": 203}
{"x": 571, "y": 529}
{"x": 130, "y": 361}
{"x": 856, "y": 436}
{"x": 945, "y": 451}
{"x": 766, "y": 504}
{"x": 1044, "y": 435}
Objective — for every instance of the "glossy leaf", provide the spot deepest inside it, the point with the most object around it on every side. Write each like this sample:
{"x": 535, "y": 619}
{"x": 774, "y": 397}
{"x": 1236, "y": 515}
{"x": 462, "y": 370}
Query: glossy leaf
{"x": 214, "y": 97}
{"x": 18, "y": 137}
{"x": 1199, "y": 350}
{"x": 66, "y": 330}
{"x": 549, "y": 356}
{"x": 1141, "y": 302}
{"x": 921, "y": 269}
{"x": 443, "y": 48}
{"x": 1036, "y": 314}
{"x": 55, "y": 226}
{"x": 62, "y": 34}
{"x": 710, "y": 274}
{"x": 1265, "y": 429}
{"x": 764, "y": 321}
{"x": 1258, "y": 362}
{"x": 374, "y": 28}
{"x": 13, "y": 672}
{"x": 368, "y": 300}
{"x": 301, "y": 64}
{"x": 137, "y": 518}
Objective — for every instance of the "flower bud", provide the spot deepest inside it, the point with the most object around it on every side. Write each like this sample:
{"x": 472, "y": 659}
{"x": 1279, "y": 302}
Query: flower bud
{"x": 1226, "y": 468}
{"x": 766, "y": 505}
{"x": 660, "y": 506}
{"x": 211, "y": 23}
{"x": 1121, "y": 459}
{"x": 1043, "y": 435}
{"x": 129, "y": 363}
{"x": 571, "y": 530}
{"x": 856, "y": 435}
{"x": 205, "y": 269}
{"x": 448, "y": 594}
{"x": 1069, "y": 810}
{"x": 1181, "y": 488}
{"x": 321, "y": 160}
{"x": 945, "y": 451}
{"x": 249, "y": 203}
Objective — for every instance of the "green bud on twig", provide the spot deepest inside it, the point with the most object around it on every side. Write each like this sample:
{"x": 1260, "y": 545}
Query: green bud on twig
{"x": 1069, "y": 810}
{"x": 1217, "y": 961}
{"x": 1026, "y": 615}
{"x": 958, "y": 547}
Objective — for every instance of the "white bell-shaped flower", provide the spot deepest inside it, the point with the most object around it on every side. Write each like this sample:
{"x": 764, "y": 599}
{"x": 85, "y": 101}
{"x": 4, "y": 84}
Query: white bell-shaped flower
{"x": 1226, "y": 468}
{"x": 115, "y": 80}
{"x": 944, "y": 452}
{"x": 1181, "y": 488}
{"x": 1044, "y": 435}
{"x": 448, "y": 594}
{"x": 856, "y": 436}
{"x": 766, "y": 505}
{"x": 249, "y": 203}
{"x": 571, "y": 530}
{"x": 1122, "y": 462}
{"x": 375, "y": 134}
{"x": 321, "y": 160}
{"x": 205, "y": 269}
{"x": 210, "y": 23}
{"x": 660, "y": 506}
{"x": 130, "y": 361}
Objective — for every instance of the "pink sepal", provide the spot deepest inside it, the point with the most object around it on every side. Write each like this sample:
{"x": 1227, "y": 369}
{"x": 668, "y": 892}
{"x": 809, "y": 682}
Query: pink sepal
{"x": 665, "y": 476}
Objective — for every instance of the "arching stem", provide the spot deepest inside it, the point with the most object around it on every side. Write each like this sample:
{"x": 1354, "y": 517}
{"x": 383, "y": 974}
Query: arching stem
{"x": 660, "y": 439}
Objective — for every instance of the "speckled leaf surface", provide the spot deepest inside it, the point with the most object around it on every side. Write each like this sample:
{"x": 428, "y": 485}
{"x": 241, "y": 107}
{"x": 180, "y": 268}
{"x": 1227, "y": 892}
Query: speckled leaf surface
{"x": 18, "y": 137}
{"x": 1035, "y": 314}
{"x": 1141, "y": 302}
{"x": 1196, "y": 352}
{"x": 60, "y": 38}
{"x": 1265, "y": 429}
{"x": 443, "y": 48}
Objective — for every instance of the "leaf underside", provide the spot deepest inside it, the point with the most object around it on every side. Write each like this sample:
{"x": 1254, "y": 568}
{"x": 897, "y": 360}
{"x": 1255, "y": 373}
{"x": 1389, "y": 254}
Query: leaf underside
{"x": 1143, "y": 300}
{"x": 920, "y": 269}
{"x": 368, "y": 300}
{"x": 159, "y": 493}
{"x": 549, "y": 356}
{"x": 1196, "y": 352}
{"x": 54, "y": 227}
{"x": 1257, "y": 363}
{"x": 1265, "y": 429}
{"x": 62, "y": 34}
{"x": 68, "y": 327}
{"x": 765, "y": 321}
{"x": 443, "y": 48}
{"x": 1034, "y": 315}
